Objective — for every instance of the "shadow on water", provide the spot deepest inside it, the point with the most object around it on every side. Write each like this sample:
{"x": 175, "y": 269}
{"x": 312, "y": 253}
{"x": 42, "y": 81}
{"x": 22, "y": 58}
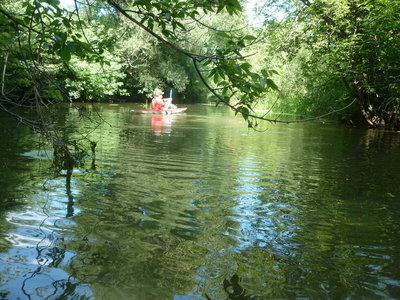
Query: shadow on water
{"x": 234, "y": 290}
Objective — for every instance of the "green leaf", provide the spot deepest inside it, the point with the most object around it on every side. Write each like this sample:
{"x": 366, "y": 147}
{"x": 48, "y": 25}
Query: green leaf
{"x": 206, "y": 62}
{"x": 246, "y": 67}
{"x": 236, "y": 4}
{"x": 220, "y": 8}
{"x": 268, "y": 73}
{"x": 223, "y": 34}
{"x": 29, "y": 8}
{"x": 238, "y": 69}
{"x": 27, "y": 20}
{"x": 181, "y": 26}
{"x": 271, "y": 84}
{"x": 65, "y": 54}
{"x": 168, "y": 33}
{"x": 150, "y": 24}
{"x": 249, "y": 37}
{"x": 66, "y": 23}
{"x": 230, "y": 10}
{"x": 216, "y": 78}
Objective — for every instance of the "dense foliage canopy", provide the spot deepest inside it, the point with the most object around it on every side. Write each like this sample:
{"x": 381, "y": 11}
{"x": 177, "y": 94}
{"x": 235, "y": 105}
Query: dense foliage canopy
{"x": 337, "y": 52}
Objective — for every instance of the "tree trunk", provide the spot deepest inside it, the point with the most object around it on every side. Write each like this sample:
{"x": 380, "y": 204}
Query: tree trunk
{"x": 374, "y": 114}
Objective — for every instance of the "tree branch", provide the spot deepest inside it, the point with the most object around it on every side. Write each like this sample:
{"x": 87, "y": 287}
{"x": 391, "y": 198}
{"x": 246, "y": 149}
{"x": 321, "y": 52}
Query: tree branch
{"x": 4, "y": 75}
{"x": 198, "y": 57}
{"x": 15, "y": 20}
{"x": 263, "y": 117}
{"x": 326, "y": 18}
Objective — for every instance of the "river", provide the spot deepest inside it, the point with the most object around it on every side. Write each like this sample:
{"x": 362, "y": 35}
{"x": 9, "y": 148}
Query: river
{"x": 196, "y": 206}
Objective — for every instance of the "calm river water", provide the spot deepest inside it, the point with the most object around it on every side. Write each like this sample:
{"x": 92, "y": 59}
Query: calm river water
{"x": 196, "y": 206}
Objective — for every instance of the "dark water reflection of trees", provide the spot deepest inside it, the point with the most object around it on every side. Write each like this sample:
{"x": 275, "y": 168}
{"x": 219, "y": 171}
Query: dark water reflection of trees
{"x": 182, "y": 209}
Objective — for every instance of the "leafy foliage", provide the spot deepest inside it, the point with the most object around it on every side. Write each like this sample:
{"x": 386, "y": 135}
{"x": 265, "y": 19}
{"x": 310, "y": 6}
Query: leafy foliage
{"x": 335, "y": 51}
{"x": 327, "y": 54}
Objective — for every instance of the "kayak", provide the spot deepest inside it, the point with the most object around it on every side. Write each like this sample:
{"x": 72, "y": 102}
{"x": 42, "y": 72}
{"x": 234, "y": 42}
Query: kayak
{"x": 152, "y": 111}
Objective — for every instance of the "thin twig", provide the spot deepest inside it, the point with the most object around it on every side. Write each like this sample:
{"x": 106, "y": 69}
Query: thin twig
{"x": 4, "y": 74}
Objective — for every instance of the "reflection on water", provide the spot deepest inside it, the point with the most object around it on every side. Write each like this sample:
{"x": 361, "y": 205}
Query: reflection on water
{"x": 234, "y": 290}
{"x": 161, "y": 123}
{"x": 195, "y": 206}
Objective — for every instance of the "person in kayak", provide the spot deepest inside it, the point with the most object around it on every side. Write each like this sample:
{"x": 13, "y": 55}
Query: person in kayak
{"x": 161, "y": 104}
{"x": 157, "y": 102}
{"x": 168, "y": 106}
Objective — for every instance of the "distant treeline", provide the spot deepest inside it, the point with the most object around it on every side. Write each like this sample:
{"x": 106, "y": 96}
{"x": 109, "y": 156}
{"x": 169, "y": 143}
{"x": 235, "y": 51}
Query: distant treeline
{"x": 333, "y": 58}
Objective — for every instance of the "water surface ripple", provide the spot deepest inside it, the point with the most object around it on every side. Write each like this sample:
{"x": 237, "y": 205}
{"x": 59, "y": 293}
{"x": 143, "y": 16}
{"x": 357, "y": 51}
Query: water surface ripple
{"x": 195, "y": 206}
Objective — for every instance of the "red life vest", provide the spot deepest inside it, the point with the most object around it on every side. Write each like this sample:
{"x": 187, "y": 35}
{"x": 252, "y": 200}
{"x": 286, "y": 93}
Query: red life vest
{"x": 158, "y": 106}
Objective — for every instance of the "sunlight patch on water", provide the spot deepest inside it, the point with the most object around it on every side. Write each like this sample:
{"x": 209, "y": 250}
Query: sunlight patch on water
{"x": 39, "y": 154}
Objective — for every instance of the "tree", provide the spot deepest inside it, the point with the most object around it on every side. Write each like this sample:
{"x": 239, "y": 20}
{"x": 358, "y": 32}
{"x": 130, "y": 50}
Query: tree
{"x": 49, "y": 48}
{"x": 355, "y": 44}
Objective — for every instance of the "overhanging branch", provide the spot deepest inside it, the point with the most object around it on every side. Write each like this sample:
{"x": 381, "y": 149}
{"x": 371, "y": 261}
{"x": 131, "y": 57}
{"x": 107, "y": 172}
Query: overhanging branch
{"x": 195, "y": 56}
{"x": 262, "y": 117}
